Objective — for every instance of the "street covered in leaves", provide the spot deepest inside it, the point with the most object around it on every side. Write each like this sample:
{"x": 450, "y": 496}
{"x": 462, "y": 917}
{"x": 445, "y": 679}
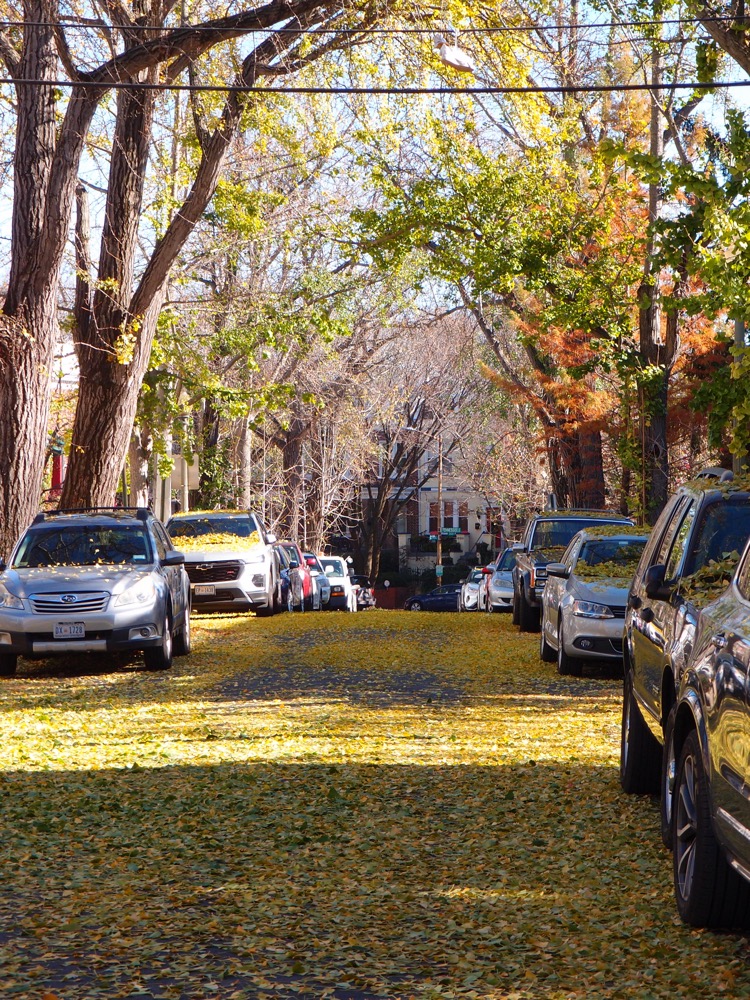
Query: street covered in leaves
{"x": 373, "y": 805}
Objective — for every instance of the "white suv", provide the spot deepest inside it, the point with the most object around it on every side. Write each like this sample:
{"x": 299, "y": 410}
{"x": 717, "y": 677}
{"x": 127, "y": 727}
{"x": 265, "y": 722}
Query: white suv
{"x": 343, "y": 589}
{"x": 230, "y": 560}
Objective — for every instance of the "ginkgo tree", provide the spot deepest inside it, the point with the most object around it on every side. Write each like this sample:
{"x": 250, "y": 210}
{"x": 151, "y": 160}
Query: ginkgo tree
{"x": 62, "y": 77}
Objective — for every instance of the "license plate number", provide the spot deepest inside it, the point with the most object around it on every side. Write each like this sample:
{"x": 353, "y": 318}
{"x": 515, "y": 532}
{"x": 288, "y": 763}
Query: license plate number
{"x": 204, "y": 590}
{"x": 70, "y": 630}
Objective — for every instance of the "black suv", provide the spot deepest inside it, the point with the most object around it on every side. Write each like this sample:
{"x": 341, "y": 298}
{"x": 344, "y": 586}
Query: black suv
{"x": 686, "y": 708}
{"x": 545, "y": 539}
{"x": 688, "y": 562}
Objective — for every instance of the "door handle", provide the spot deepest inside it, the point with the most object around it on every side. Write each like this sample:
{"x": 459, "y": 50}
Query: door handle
{"x": 635, "y": 601}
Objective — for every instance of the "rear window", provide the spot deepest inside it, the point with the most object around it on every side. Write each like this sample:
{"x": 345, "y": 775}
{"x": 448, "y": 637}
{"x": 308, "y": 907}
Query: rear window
{"x": 78, "y": 545}
{"x": 240, "y": 525}
{"x": 556, "y": 534}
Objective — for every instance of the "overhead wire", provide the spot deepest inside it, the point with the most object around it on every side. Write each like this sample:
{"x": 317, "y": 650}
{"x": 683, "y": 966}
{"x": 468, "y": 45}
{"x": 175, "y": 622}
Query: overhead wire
{"x": 90, "y": 25}
{"x": 228, "y": 88}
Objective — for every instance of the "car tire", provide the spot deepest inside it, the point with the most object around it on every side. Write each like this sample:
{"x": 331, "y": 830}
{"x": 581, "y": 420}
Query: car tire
{"x": 567, "y": 666}
{"x": 415, "y": 606}
{"x": 160, "y": 657}
{"x": 640, "y": 753}
{"x": 528, "y": 617}
{"x": 8, "y": 664}
{"x": 667, "y": 779}
{"x": 546, "y": 653}
{"x": 183, "y": 640}
{"x": 708, "y": 892}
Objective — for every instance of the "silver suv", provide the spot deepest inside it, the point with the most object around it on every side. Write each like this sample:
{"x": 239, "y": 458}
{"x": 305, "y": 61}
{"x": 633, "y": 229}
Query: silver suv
{"x": 230, "y": 560}
{"x": 94, "y": 581}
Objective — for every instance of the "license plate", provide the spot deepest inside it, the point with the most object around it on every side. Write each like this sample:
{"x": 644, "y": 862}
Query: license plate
{"x": 70, "y": 630}
{"x": 204, "y": 590}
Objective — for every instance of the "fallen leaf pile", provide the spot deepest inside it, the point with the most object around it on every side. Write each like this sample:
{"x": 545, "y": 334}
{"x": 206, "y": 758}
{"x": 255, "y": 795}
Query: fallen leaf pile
{"x": 327, "y": 805}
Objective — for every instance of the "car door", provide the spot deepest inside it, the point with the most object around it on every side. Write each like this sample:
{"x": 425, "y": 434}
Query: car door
{"x": 173, "y": 575}
{"x": 651, "y": 617}
{"x": 722, "y": 666}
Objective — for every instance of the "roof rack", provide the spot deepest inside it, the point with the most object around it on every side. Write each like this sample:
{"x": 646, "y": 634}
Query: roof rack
{"x": 715, "y": 472}
{"x": 142, "y": 513}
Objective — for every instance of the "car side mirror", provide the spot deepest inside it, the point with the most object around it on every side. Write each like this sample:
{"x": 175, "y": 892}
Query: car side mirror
{"x": 654, "y": 584}
{"x": 271, "y": 538}
{"x": 173, "y": 558}
{"x": 558, "y": 569}
{"x": 486, "y": 571}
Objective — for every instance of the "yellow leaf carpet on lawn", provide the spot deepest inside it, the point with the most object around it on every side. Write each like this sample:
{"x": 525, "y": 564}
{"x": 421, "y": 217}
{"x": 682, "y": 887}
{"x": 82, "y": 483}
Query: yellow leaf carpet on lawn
{"x": 376, "y": 805}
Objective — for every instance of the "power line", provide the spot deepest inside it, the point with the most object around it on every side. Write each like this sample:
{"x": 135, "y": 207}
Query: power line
{"x": 89, "y": 25}
{"x": 219, "y": 88}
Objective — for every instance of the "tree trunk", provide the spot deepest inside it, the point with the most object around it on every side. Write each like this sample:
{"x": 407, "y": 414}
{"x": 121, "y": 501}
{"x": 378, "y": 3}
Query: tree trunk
{"x": 139, "y": 460}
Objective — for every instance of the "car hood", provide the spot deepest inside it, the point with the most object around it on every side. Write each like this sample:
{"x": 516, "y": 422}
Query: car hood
{"x": 222, "y": 553}
{"x": 53, "y": 579}
{"x": 606, "y": 591}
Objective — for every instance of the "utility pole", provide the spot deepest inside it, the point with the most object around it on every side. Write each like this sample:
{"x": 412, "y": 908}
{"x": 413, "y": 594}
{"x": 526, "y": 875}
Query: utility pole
{"x": 740, "y": 463}
{"x": 439, "y": 547}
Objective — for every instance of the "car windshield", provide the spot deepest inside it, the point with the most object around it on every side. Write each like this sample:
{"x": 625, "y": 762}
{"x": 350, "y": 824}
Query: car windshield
{"x": 83, "y": 545}
{"x": 476, "y": 576}
{"x": 240, "y": 525}
{"x": 506, "y": 561}
{"x": 333, "y": 567}
{"x": 610, "y": 557}
{"x": 557, "y": 533}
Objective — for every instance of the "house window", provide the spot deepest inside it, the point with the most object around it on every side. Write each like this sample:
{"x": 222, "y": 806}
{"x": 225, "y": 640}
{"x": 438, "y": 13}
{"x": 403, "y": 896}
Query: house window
{"x": 433, "y": 518}
{"x": 463, "y": 516}
{"x": 448, "y": 515}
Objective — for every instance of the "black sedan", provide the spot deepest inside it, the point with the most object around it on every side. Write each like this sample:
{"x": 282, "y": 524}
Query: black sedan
{"x": 443, "y": 598}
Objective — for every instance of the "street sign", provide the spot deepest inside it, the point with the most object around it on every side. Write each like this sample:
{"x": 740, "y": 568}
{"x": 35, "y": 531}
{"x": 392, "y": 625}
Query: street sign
{"x": 438, "y": 571}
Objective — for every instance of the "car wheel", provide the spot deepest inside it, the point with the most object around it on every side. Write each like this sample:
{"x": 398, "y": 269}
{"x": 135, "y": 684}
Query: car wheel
{"x": 668, "y": 776}
{"x": 183, "y": 640}
{"x": 709, "y": 893}
{"x": 640, "y": 753}
{"x": 415, "y": 606}
{"x": 566, "y": 665}
{"x": 8, "y": 663}
{"x": 528, "y": 617}
{"x": 546, "y": 652}
{"x": 160, "y": 657}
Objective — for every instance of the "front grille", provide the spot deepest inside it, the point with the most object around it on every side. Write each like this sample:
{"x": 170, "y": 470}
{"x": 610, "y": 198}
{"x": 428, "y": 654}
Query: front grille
{"x": 617, "y": 612}
{"x": 69, "y": 602}
{"x": 213, "y": 572}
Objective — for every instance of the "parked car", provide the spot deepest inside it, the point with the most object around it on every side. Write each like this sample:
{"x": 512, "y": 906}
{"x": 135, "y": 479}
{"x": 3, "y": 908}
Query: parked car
{"x": 500, "y": 584}
{"x": 469, "y": 593}
{"x": 320, "y": 581}
{"x": 709, "y": 727}
{"x": 365, "y": 592}
{"x": 94, "y": 581}
{"x": 583, "y": 604}
{"x": 343, "y": 590}
{"x": 309, "y": 593}
{"x": 230, "y": 560}
{"x": 444, "y": 598}
{"x": 545, "y": 538}
{"x": 290, "y": 582}
{"x": 688, "y": 562}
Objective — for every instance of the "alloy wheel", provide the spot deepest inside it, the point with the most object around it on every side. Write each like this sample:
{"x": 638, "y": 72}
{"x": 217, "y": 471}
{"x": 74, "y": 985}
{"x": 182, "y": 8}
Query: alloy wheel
{"x": 686, "y": 828}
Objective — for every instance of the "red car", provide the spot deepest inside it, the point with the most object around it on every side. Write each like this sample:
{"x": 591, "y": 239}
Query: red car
{"x": 299, "y": 566}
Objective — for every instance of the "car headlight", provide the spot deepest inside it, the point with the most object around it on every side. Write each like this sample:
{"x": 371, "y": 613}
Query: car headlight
{"x": 585, "y": 609}
{"x": 8, "y": 600}
{"x": 254, "y": 558}
{"x": 143, "y": 592}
